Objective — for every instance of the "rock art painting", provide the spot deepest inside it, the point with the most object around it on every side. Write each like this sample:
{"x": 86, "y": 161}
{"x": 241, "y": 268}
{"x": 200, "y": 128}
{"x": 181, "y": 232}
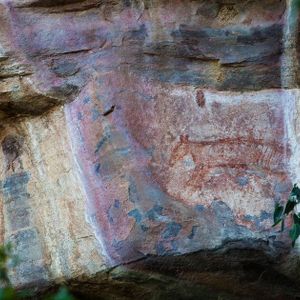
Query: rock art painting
{"x": 138, "y": 136}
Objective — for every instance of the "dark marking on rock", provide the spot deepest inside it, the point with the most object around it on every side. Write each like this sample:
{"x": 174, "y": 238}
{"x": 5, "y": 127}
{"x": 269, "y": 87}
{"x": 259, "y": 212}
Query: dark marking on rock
{"x": 282, "y": 187}
{"x": 154, "y": 213}
{"x": 51, "y": 3}
{"x": 221, "y": 58}
{"x": 265, "y": 215}
{"x": 65, "y": 69}
{"x": 79, "y": 116}
{"x": 117, "y": 244}
{"x": 256, "y": 220}
{"x": 208, "y": 9}
{"x": 12, "y": 147}
{"x": 64, "y": 91}
{"x": 136, "y": 35}
{"x": 18, "y": 217}
{"x": 192, "y": 234}
{"x": 95, "y": 114}
{"x": 132, "y": 192}
{"x": 15, "y": 185}
{"x": 242, "y": 181}
{"x": 108, "y": 112}
{"x": 86, "y": 100}
{"x": 97, "y": 168}
{"x": 114, "y": 212}
{"x": 172, "y": 230}
{"x": 200, "y": 207}
{"x": 101, "y": 143}
{"x": 16, "y": 198}
{"x": 127, "y": 3}
{"x": 222, "y": 211}
{"x": 117, "y": 203}
{"x": 27, "y": 246}
{"x": 144, "y": 227}
{"x": 136, "y": 215}
{"x": 174, "y": 245}
{"x": 160, "y": 249}
{"x": 200, "y": 98}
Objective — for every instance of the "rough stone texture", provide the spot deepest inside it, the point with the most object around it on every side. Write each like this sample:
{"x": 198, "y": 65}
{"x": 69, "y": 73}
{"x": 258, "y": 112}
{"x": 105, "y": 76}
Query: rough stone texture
{"x": 43, "y": 207}
{"x": 155, "y": 135}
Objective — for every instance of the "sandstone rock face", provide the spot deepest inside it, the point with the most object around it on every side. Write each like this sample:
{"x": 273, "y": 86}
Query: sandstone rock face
{"x": 156, "y": 134}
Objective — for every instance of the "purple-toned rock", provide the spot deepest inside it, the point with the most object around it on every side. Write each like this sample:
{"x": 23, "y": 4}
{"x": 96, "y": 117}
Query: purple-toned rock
{"x": 146, "y": 142}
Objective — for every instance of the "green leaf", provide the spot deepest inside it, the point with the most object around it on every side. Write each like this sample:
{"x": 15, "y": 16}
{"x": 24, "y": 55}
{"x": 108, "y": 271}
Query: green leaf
{"x": 293, "y": 198}
{"x": 289, "y": 206}
{"x": 294, "y": 233}
{"x": 3, "y": 275}
{"x": 278, "y": 214}
{"x": 8, "y": 294}
{"x": 296, "y": 218}
{"x": 295, "y": 193}
{"x": 282, "y": 225}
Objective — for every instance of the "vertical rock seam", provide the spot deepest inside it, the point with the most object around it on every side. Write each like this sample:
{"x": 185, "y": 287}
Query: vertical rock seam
{"x": 289, "y": 64}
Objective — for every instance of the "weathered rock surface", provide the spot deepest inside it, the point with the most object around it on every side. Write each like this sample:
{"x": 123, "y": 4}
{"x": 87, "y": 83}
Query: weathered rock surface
{"x": 144, "y": 144}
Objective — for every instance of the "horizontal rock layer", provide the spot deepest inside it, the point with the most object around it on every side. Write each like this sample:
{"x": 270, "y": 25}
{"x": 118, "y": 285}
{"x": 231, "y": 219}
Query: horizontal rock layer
{"x": 61, "y": 45}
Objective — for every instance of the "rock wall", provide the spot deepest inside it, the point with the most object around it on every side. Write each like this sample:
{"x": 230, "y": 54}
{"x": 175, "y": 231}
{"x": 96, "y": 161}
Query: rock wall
{"x": 142, "y": 129}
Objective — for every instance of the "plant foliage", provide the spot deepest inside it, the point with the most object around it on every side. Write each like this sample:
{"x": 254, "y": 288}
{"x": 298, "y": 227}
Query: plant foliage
{"x": 281, "y": 212}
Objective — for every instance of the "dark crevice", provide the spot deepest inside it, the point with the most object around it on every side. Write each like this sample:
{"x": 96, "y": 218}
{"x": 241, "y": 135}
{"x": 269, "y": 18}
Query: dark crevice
{"x": 238, "y": 269}
{"x": 108, "y": 112}
{"x": 49, "y": 3}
